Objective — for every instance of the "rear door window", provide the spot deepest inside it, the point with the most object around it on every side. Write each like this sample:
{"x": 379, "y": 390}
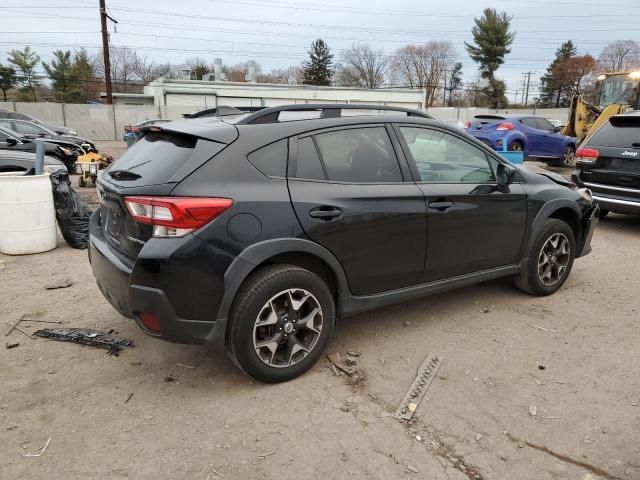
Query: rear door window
{"x": 618, "y": 132}
{"x": 27, "y": 128}
{"x": 359, "y": 155}
{"x": 308, "y": 165}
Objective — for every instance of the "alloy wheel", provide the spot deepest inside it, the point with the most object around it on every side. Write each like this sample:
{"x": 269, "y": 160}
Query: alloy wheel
{"x": 554, "y": 259}
{"x": 515, "y": 147}
{"x": 287, "y": 328}
{"x": 568, "y": 157}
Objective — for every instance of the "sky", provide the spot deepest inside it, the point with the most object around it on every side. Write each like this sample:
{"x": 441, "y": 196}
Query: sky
{"x": 277, "y": 33}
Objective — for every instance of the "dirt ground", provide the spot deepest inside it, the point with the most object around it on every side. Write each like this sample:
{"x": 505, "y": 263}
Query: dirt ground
{"x": 172, "y": 411}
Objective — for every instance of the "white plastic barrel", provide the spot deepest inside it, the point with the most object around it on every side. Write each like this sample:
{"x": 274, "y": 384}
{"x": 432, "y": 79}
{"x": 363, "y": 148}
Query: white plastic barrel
{"x": 27, "y": 216}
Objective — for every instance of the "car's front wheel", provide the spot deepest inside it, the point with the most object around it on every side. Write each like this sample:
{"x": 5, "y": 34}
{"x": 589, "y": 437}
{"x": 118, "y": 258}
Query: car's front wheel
{"x": 550, "y": 259}
{"x": 282, "y": 320}
{"x": 568, "y": 158}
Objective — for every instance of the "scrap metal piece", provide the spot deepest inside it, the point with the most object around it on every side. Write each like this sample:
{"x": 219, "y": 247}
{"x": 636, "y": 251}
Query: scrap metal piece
{"x": 85, "y": 336}
{"x": 426, "y": 373}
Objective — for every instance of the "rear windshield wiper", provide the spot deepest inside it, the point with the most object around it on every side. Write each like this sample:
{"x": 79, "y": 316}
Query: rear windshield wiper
{"x": 124, "y": 175}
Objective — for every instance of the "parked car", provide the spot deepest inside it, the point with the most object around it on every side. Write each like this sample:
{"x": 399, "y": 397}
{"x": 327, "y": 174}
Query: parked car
{"x": 10, "y": 140}
{"x": 12, "y": 161}
{"x": 34, "y": 130}
{"x": 558, "y": 124}
{"x": 535, "y": 136}
{"x": 24, "y": 116}
{"x": 608, "y": 163}
{"x": 135, "y": 128}
{"x": 290, "y": 225}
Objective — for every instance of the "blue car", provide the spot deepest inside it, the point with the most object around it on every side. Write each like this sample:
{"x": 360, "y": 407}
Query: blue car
{"x": 537, "y": 137}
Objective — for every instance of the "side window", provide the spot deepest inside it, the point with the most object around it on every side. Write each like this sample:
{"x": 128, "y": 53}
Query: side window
{"x": 444, "y": 158}
{"x": 308, "y": 165}
{"x": 359, "y": 155}
{"x": 530, "y": 122}
{"x": 6, "y": 124}
{"x": 3, "y": 137}
{"x": 26, "y": 128}
{"x": 271, "y": 160}
{"x": 544, "y": 124}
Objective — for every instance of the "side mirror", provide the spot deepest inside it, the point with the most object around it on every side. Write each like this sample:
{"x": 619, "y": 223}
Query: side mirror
{"x": 506, "y": 175}
{"x": 557, "y": 129}
{"x": 11, "y": 142}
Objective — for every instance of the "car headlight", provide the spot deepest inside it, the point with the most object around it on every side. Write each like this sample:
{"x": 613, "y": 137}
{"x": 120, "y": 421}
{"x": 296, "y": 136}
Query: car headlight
{"x": 585, "y": 193}
{"x": 54, "y": 168}
{"x": 66, "y": 151}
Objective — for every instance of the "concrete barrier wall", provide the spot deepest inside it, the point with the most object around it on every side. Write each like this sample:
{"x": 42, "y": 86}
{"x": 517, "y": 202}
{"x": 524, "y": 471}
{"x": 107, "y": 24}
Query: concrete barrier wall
{"x": 106, "y": 122}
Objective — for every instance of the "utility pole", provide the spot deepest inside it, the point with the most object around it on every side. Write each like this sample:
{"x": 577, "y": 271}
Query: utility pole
{"x": 526, "y": 98}
{"x": 105, "y": 49}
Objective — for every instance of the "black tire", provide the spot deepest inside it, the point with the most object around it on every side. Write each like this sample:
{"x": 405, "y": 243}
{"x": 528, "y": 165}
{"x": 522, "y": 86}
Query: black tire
{"x": 529, "y": 279}
{"x": 81, "y": 181}
{"x": 568, "y": 158}
{"x": 603, "y": 213}
{"x": 516, "y": 146}
{"x": 252, "y": 298}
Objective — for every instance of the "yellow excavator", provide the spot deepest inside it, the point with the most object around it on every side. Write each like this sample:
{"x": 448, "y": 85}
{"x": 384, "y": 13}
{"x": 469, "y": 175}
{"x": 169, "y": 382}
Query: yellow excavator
{"x": 617, "y": 92}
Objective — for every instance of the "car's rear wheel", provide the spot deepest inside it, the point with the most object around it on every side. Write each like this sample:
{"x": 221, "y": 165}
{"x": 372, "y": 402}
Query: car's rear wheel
{"x": 550, "y": 259}
{"x": 281, "y": 322}
{"x": 516, "y": 146}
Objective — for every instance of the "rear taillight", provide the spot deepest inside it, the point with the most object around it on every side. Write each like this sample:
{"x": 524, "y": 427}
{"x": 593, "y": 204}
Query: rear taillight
{"x": 467, "y": 124}
{"x": 587, "y": 155}
{"x": 175, "y": 216}
{"x": 150, "y": 320}
{"x": 505, "y": 126}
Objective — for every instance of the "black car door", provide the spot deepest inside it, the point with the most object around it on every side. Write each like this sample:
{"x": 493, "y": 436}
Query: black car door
{"x": 350, "y": 195}
{"x": 472, "y": 225}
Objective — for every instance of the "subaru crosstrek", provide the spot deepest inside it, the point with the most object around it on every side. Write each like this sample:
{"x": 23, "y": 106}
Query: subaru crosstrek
{"x": 255, "y": 233}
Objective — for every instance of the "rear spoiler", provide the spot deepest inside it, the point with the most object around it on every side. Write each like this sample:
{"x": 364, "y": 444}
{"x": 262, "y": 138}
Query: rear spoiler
{"x": 208, "y": 128}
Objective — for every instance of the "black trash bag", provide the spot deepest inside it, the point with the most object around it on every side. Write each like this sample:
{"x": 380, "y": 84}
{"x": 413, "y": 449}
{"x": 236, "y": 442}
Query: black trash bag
{"x": 71, "y": 212}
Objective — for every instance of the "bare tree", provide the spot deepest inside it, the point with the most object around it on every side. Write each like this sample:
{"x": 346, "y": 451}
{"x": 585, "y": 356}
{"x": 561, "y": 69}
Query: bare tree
{"x": 575, "y": 73}
{"x": 239, "y": 71}
{"x": 286, "y": 76}
{"x": 620, "y": 56}
{"x": 423, "y": 66}
{"x": 148, "y": 70}
{"x": 361, "y": 66}
{"x": 123, "y": 77}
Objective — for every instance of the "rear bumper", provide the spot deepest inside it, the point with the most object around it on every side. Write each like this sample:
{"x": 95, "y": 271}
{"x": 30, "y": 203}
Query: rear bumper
{"x": 611, "y": 197}
{"x": 119, "y": 281}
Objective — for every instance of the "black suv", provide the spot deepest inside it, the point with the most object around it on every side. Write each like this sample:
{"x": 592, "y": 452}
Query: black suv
{"x": 256, "y": 233}
{"x": 609, "y": 164}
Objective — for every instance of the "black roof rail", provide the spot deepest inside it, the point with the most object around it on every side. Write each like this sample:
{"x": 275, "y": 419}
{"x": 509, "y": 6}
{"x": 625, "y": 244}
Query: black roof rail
{"x": 328, "y": 110}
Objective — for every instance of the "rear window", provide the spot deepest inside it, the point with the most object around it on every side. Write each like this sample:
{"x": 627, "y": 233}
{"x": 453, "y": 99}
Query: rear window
{"x": 618, "y": 132}
{"x": 155, "y": 158}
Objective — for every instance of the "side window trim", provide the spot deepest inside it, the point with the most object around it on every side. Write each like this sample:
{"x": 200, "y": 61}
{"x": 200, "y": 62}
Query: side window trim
{"x": 412, "y": 163}
{"x": 319, "y": 153}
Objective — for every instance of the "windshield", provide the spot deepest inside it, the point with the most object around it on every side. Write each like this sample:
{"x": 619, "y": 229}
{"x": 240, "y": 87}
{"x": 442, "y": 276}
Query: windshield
{"x": 619, "y": 89}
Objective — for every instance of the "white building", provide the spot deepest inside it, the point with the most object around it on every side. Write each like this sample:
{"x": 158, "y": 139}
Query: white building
{"x": 209, "y": 94}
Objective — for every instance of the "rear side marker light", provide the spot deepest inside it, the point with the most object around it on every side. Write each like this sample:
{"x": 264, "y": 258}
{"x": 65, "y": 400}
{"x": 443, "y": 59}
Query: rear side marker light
{"x": 175, "y": 216}
{"x": 505, "y": 126}
{"x": 587, "y": 155}
{"x": 150, "y": 320}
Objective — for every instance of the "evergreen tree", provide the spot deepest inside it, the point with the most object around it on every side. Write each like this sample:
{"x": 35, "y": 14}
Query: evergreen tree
{"x": 7, "y": 79}
{"x": 63, "y": 77}
{"x": 25, "y": 62}
{"x": 553, "y": 91}
{"x": 318, "y": 70}
{"x": 492, "y": 40}
{"x": 84, "y": 72}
